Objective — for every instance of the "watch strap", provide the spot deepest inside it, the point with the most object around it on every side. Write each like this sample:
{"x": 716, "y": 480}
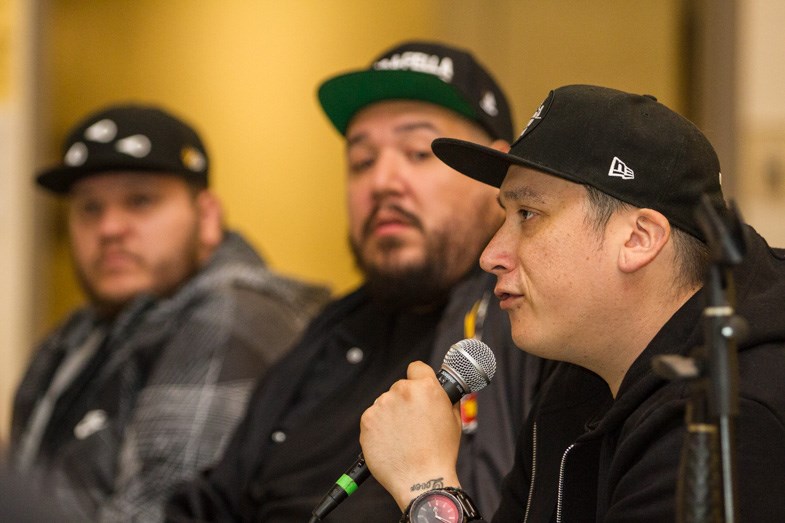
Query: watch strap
{"x": 470, "y": 511}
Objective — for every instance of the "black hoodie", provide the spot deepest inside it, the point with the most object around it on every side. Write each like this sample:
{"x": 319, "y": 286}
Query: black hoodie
{"x": 587, "y": 457}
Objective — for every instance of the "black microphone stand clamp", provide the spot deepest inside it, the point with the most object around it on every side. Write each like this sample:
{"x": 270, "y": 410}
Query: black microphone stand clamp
{"x": 706, "y": 487}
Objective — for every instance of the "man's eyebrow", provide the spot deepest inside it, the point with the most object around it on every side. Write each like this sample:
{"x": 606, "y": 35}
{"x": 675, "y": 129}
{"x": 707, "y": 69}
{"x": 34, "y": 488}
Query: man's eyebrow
{"x": 518, "y": 194}
{"x": 354, "y": 140}
{"x": 401, "y": 129}
{"x": 414, "y": 126}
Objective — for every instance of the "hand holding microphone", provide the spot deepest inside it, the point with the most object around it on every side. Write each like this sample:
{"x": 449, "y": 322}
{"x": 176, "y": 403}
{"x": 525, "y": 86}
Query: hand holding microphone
{"x": 411, "y": 432}
{"x": 411, "y": 435}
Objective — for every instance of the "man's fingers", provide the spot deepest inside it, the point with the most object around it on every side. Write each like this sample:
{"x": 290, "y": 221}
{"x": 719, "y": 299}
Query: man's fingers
{"x": 419, "y": 370}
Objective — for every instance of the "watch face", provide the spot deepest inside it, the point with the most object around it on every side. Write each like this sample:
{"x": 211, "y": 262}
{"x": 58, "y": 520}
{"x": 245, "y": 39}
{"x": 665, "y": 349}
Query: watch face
{"x": 436, "y": 508}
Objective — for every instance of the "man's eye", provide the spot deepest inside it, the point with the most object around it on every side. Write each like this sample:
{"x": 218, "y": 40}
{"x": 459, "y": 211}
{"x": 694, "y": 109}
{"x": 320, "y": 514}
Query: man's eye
{"x": 140, "y": 200}
{"x": 362, "y": 165}
{"x": 420, "y": 156}
{"x": 89, "y": 208}
{"x": 525, "y": 214}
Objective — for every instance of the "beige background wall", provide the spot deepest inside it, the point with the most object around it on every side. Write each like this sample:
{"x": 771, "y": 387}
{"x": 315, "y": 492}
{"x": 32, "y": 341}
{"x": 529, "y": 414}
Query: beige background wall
{"x": 245, "y": 73}
{"x": 761, "y": 107}
{"x": 17, "y": 240}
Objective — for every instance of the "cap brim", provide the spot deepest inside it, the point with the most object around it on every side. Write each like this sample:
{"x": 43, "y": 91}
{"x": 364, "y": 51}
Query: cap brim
{"x": 482, "y": 163}
{"x": 486, "y": 164}
{"x": 342, "y": 96}
{"x": 60, "y": 179}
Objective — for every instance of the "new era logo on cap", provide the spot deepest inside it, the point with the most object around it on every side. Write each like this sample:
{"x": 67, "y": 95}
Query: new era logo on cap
{"x": 620, "y": 169}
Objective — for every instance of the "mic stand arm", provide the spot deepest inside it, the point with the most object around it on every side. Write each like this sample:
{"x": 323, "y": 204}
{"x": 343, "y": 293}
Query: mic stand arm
{"x": 706, "y": 489}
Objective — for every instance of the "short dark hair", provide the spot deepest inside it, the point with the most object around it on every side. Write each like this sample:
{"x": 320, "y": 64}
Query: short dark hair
{"x": 691, "y": 254}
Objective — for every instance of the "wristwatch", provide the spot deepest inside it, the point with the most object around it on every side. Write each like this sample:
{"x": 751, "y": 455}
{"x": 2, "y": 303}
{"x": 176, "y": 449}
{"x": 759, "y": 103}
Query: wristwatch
{"x": 444, "y": 505}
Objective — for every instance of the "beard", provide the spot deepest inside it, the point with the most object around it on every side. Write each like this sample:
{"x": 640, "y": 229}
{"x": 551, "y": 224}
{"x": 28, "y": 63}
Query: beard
{"x": 405, "y": 285}
{"x": 167, "y": 277}
{"x": 447, "y": 257}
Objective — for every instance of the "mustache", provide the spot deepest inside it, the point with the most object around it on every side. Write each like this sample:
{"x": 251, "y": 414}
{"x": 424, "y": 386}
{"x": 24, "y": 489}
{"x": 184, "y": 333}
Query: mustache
{"x": 107, "y": 251}
{"x": 400, "y": 213}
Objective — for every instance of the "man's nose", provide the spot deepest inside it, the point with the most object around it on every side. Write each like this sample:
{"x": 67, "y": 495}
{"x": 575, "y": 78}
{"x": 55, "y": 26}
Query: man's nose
{"x": 388, "y": 174}
{"x": 496, "y": 258}
{"x": 114, "y": 221}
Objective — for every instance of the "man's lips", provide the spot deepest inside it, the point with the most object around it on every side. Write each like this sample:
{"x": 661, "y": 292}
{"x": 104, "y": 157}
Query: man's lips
{"x": 506, "y": 297}
{"x": 116, "y": 260}
{"x": 389, "y": 226}
{"x": 390, "y": 221}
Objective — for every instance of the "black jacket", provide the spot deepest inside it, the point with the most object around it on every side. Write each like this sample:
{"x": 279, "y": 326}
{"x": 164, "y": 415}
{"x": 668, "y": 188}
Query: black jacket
{"x": 586, "y": 457}
{"x": 239, "y": 488}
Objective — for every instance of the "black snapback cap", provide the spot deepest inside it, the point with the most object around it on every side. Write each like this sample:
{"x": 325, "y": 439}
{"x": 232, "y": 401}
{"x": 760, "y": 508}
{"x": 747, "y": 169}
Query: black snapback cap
{"x": 628, "y": 146}
{"x": 128, "y": 138}
{"x": 425, "y": 71}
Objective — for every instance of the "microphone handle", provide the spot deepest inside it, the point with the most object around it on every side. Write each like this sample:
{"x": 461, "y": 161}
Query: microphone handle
{"x": 343, "y": 488}
{"x": 451, "y": 385}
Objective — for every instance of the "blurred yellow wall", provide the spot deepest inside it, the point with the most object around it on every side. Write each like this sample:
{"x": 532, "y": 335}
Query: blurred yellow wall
{"x": 245, "y": 73}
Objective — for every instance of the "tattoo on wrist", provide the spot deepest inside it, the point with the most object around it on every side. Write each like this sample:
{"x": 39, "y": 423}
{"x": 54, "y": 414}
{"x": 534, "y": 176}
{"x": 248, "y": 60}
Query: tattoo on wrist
{"x": 428, "y": 485}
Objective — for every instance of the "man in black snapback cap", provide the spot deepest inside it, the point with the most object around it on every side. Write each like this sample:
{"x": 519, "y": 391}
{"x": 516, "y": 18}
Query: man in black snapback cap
{"x": 139, "y": 389}
{"x": 416, "y": 230}
{"x": 129, "y": 138}
{"x": 600, "y": 265}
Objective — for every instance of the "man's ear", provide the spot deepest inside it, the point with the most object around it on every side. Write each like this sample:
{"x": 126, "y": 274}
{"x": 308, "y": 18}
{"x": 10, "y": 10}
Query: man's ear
{"x": 211, "y": 230}
{"x": 647, "y": 235}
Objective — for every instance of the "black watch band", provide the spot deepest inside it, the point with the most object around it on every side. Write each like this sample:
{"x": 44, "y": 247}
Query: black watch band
{"x": 461, "y": 499}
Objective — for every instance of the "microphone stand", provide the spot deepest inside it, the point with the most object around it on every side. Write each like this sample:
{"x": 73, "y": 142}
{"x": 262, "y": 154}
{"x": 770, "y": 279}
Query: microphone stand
{"x": 706, "y": 487}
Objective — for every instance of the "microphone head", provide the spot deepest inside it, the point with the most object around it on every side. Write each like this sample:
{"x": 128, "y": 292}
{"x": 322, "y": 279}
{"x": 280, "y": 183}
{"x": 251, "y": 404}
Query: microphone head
{"x": 472, "y": 361}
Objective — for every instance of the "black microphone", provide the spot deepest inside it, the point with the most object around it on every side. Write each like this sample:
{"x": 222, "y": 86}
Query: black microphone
{"x": 468, "y": 367}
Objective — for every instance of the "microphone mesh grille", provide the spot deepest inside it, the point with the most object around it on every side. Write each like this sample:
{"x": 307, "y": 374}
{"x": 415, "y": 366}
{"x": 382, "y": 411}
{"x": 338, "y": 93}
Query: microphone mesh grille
{"x": 473, "y": 361}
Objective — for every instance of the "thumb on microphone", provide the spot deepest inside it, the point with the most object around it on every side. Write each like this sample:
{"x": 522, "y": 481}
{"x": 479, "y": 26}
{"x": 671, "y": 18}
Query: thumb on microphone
{"x": 410, "y": 436}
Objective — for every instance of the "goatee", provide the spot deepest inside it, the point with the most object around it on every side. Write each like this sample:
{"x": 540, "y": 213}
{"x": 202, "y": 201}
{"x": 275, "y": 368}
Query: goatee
{"x": 406, "y": 286}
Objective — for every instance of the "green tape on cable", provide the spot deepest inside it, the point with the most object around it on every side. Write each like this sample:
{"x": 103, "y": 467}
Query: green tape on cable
{"x": 347, "y": 484}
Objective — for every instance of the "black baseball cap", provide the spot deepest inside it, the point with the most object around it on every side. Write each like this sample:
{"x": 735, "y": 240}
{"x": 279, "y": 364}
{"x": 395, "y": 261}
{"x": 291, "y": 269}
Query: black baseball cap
{"x": 128, "y": 137}
{"x": 425, "y": 71}
{"x": 626, "y": 145}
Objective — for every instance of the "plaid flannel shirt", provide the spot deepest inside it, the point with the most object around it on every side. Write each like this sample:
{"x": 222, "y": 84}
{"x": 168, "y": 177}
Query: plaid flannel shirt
{"x": 174, "y": 380}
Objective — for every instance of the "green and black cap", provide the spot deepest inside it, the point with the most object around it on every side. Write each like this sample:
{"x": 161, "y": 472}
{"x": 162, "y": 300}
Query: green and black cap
{"x": 425, "y": 71}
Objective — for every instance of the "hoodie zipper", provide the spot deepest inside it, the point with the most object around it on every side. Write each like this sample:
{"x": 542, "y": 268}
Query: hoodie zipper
{"x": 534, "y": 472}
{"x": 561, "y": 483}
